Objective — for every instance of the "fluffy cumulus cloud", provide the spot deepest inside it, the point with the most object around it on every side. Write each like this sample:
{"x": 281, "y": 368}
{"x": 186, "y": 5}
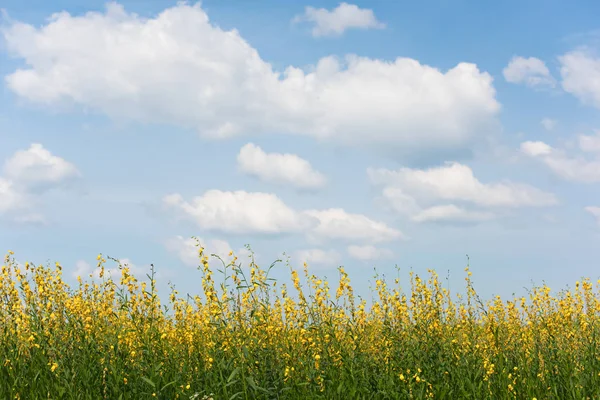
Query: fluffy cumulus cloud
{"x": 582, "y": 166}
{"x": 456, "y": 182}
{"x": 536, "y": 148}
{"x": 580, "y": 72}
{"x": 241, "y": 212}
{"x": 26, "y": 175}
{"x": 36, "y": 169}
{"x": 212, "y": 80}
{"x": 186, "y": 249}
{"x": 279, "y": 168}
{"x": 329, "y": 258}
{"x": 428, "y": 195}
{"x": 336, "y": 21}
{"x": 529, "y": 71}
{"x": 369, "y": 252}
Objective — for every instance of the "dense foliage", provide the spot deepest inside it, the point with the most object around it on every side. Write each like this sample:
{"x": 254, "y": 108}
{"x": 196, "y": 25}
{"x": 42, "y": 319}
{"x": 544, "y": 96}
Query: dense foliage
{"x": 252, "y": 338}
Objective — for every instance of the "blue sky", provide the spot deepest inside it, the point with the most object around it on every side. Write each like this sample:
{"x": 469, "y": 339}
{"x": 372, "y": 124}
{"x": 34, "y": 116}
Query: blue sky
{"x": 368, "y": 134}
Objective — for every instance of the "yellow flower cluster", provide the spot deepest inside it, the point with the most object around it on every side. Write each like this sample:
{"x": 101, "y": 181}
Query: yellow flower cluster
{"x": 247, "y": 337}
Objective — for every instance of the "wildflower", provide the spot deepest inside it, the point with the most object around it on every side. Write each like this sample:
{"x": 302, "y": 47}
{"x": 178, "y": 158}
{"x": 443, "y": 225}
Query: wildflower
{"x": 53, "y": 367}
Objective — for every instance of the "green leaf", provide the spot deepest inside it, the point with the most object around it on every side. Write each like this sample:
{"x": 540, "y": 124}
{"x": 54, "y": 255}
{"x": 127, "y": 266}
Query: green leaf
{"x": 236, "y": 395}
{"x": 233, "y": 374}
{"x": 158, "y": 366}
{"x": 251, "y": 382}
{"x": 167, "y": 385}
{"x": 149, "y": 381}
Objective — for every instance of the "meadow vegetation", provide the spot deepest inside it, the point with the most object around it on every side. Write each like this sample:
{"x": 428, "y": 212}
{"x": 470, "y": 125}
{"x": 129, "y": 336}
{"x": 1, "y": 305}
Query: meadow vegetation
{"x": 250, "y": 337}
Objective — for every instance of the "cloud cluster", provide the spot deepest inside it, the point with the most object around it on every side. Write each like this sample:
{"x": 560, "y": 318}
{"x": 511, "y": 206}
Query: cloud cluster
{"x": 335, "y": 22}
{"x": 583, "y": 166}
{"x": 26, "y": 175}
{"x": 242, "y": 212}
{"x": 239, "y": 212}
{"x": 579, "y": 73}
{"x": 212, "y": 80}
{"x": 443, "y": 193}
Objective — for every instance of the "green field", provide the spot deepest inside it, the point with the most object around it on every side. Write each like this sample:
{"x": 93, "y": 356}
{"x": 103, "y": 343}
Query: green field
{"x": 253, "y": 338}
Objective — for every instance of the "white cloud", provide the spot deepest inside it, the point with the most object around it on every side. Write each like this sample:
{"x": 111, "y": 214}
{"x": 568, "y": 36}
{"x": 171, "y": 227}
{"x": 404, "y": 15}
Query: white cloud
{"x": 590, "y": 143}
{"x": 37, "y": 169}
{"x": 212, "y": 80}
{"x": 456, "y": 182}
{"x": 530, "y": 71}
{"x": 255, "y": 212}
{"x": 536, "y": 148}
{"x": 369, "y": 252}
{"x": 595, "y": 211}
{"x": 240, "y": 212}
{"x": 572, "y": 168}
{"x": 335, "y": 223}
{"x": 279, "y": 168}
{"x": 83, "y": 269}
{"x": 423, "y": 194}
{"x": 398, "y": 200}
{"x": 186, "y": 249}
{"x": 548, "y": 123}
{"x": 10, "y": 199}
{"x": 580, "y": 72}
{"x": 335, "y": 22}
{"x": 318, "y": 257}
{"x": 450, "y": 212}
{"x": 26, "y": 175}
